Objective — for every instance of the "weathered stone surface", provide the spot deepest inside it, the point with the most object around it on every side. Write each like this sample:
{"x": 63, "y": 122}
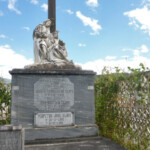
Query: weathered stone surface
{"x": 54, "y": 119}
{"x": 52, "y": 66}
{"x": 53, "y": 94}
{"x": 51, "y": 72}
{"x": 53, "y": 91}
{"x": 23, "y": 95}
{"x": 79, "y": 144}
{"x": 10, "y": 128}
{"x": 48, "y": 48}
{"x": 40, "y": 134}
{"x": 11, "y": 138}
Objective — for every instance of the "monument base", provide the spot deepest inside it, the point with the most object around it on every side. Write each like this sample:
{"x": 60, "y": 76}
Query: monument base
{"x": 11, "y": 137}
{"x": 53, "y": 104}
{"x": 48, "y": 135}
{"x": 89, "y": 143}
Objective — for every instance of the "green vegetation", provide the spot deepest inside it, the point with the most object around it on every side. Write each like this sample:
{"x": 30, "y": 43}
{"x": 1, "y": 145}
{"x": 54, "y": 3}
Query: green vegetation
{"x": 5, "y": 96}
{"x": 122, "y": 107}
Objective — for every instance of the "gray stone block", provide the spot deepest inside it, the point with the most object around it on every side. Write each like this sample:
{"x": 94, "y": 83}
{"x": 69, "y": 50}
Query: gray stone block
{"x": 11, "y": 138}
{"x": 48, "y": 92}
{"x": 91, "y": 143}
{"x": 39, "y": 134}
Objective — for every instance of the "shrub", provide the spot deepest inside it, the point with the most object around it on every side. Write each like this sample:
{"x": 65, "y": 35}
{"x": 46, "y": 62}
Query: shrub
{"x": 5, "y": 96}
{"x": 122, "y": 107}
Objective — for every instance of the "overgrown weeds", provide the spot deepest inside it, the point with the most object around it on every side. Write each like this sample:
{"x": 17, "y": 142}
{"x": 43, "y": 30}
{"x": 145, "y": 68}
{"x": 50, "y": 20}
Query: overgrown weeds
{"x": 123, "y": 107}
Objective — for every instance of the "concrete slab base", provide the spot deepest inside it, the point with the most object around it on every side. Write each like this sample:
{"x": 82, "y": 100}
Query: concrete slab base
{"x": 92, "y": 143}
{"x": 39, "y": 135}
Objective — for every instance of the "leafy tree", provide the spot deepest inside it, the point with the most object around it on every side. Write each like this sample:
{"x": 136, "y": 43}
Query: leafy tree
{"x": 5, "y": 97}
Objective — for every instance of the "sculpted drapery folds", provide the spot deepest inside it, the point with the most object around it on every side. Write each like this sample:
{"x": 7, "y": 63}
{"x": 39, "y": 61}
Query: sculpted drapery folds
{"x": 48, "y": 48}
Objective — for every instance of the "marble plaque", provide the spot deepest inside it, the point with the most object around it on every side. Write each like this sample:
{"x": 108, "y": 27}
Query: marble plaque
{"x": 53, "y": 119}
{"x": 53, "y": 94}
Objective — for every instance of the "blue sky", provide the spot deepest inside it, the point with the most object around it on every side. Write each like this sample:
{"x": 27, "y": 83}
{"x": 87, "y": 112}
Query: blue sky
{"x": 97, "y": 33}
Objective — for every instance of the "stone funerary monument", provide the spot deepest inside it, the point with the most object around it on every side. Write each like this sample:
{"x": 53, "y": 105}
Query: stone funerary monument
{"x": 53, "y": 98}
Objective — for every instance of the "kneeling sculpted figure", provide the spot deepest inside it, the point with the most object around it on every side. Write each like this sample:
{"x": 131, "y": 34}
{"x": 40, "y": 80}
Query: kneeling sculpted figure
{"x": 48, "y": 48}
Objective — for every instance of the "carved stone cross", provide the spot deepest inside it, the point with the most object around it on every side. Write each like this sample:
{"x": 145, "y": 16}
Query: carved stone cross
{"x": 52, "y": 13}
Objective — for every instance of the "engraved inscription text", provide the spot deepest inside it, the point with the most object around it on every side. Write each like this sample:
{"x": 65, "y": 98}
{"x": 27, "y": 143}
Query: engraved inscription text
{"x": 53, "y": 94}
{"x": 53, "y": 119}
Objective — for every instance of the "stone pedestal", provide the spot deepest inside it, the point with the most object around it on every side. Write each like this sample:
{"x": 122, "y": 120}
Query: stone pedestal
{"x": 11, "y": 137}
{"x": 53, "y": 104}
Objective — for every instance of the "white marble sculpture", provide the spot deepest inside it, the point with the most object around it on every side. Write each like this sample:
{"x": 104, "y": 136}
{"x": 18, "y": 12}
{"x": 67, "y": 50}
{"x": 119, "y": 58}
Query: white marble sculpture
{"x": 48, "y": 48}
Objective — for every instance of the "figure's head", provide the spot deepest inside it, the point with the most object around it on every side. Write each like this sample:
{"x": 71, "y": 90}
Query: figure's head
{"x": 47, "y": 23}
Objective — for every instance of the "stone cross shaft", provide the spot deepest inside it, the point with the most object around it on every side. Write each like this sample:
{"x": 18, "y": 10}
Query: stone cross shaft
{"x": 52, "y": 13}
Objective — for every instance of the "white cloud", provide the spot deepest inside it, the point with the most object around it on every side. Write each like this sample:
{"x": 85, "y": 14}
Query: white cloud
{"x": 144, "y": 49}
{"x": 45, "y": 7}
{"x": 110, "y": 57}
{"x": 11, "y": 6}
{"x": 1, "y": 13}
{"x": 5, "y": 46}
{"x": 9, "y": 59}
{"x": 26, "y": 28}
{"x": 125, "y": 56}
{"x": 87, "y": 21}
{"x": 140, "y": 18}
{"x": 81, "y": 45}
{"x": 138, "y": 51}
{"x": 146, "y": 2}
{"x": 92, "y": 3}
{"x": 2, "y": 36}
{"x": 69, "y": 11}
{"x": 123, "y": 63}
{"x": 35, "y": 2}
{"x": 133, "y": 22}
